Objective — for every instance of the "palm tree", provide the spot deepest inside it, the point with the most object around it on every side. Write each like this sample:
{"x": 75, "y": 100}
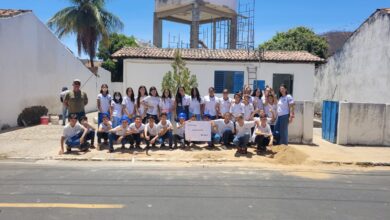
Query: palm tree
{"x": 89, "y": 21}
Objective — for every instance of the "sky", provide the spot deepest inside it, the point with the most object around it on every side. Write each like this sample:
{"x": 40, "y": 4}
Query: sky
{"x": 270, "y": 16}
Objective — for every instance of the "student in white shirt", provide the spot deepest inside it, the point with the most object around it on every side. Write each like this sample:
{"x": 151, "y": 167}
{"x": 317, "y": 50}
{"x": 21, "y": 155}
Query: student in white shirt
{"x": 119, "y": 134}
{"x": 182, "y": 102}
{"x": 285, "y": 115}
{"x": 210, "y": 104}
{"x": 263, "y": 135}
{"x": 271, "y": 110}
{"x": 103, "y": 131}
{"x": 103, "y": 102}
{"x": 166, "y": 103}
{"x": 91, "y": 131}
{"x": 165, "y": 131}
{"x": 73, "y": 135}
{"x": 196, "y": 104}
{"x": 128, "y": 104}
{"x": 257, "y": 97}
{"x": 248, "y": 108}
{"x": 151, "y": 132}
{"x": 116, "y": 109}
{"x": 152, "y": 102}
{"x": 224, "y": 104}
{"x": 225, "y": 129}
{"x": 179, "y": 137}
{"x": 243, "y": 134}
{"x": 140, "y": 107}
{"x": 137, "y": 129}
{"x": 237, "y": 108}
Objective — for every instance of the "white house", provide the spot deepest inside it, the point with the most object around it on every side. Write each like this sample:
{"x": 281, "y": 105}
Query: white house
{"x": 231, "y": 69}
{"x": 35, "y": 65}
{"x": 360, "y": 70}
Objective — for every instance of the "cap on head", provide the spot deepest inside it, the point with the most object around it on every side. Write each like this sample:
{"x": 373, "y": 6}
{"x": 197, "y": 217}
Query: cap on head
{"x": 182, "y": 116}
{"x": 125, "y": 118}
{"x": 104, "y": 115}
{"x": 64, "y": 88}
{"x": 77, "y": 81}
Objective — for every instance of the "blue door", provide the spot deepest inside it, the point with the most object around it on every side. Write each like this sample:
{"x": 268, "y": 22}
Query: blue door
{"x": 330, "y": 114}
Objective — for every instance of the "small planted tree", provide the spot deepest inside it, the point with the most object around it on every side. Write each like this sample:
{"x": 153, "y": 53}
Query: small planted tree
{"x": 179, "y": 76}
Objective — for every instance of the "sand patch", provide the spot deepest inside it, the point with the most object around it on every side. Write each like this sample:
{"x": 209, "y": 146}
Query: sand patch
{"x": 288, "y": 155}
{"x": 207, "y": 156}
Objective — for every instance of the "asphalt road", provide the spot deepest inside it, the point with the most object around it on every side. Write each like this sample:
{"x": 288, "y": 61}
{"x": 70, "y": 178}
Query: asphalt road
{"x": 121, "y": 191}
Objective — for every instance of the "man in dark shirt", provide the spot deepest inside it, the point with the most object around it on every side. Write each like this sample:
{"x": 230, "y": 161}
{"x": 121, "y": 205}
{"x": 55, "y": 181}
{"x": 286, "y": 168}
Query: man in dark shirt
{"x": 76, "y": 100}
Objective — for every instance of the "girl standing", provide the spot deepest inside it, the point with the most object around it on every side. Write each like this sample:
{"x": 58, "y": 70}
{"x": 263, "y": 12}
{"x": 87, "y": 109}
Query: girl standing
{"x": 182, "y": 101}
{"x": 152, "y": 102}
{"x": 196, "y": 104}
{"x": 166, "y": 103}
{"x": 257, "y": 99}
{"x": 103, "y": 102}
{"x": 116, "y": 109}
{"x": 285, "y": 115}
{"x": 129, "y": 104}
{"x": 271, "y": 111}
{"x": 140, "y": 107}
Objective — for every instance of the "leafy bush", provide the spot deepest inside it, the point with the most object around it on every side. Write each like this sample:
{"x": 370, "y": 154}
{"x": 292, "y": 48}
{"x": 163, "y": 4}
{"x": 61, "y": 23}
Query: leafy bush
{"x": 32, "y": 115}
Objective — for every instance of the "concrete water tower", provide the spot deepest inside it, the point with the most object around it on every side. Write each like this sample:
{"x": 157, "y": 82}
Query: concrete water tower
{"x": 196, "y": 13}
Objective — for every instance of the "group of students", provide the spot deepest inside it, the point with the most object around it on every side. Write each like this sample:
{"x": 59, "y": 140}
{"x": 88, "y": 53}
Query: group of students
{"x": 153, "y": 120}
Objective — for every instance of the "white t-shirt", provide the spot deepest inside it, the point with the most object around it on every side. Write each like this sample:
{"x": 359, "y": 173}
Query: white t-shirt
{"x": 258, "y": 103}
{"x": 180, "y": 130}
{"x": 224, "y": 105}
{"x": 105, "y": 128}
{"x": 245, "y": 129}
{"x": 185, "y": 100}
{"x": 166, "y": 105}
{"x": 248, "y": 110}
{"x": 129, "y": 105}
{"x": 210, "y": 105}
{"x": 283, "y": 105}
{"x": 139, "y": 129}
{"x": 222, "y": 126}
{"x": 194, "y": 107}
{"x": 105, "y": 102}
{"x": 264, "y": 130}
{"x": 160, "y": 126}
{"x": 120, "y": 130}
{"x": 70, "y": 131}
{"x": 152, "y": 102}
{"x": 117, "y": 109}
{"x": 153, "y": 131}
{"x": 269, "y": 114}
{"x": 141, "y": 107}
{"x": 237, "y": 109}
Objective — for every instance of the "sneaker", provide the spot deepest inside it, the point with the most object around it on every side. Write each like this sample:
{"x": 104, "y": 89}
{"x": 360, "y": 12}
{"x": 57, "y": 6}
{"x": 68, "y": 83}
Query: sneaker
{"x": 111, "y": 150}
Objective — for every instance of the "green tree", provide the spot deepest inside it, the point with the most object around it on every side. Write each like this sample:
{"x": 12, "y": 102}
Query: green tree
{"x": 89, "y": 21}
{"x": 179, "y": 76}
{"x": 299, "y": 38}
{"x": 115, "y": 42}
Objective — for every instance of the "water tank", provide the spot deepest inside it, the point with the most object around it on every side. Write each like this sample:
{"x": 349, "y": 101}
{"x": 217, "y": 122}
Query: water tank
{"x": 213, "y": 9}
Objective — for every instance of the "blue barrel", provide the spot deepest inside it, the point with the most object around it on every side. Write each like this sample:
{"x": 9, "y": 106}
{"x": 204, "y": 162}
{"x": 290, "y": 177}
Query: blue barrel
{"x": 330, "y": 117}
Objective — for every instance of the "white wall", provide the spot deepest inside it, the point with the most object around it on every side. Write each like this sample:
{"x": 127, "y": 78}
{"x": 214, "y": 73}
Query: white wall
{"x": 35, "y": 65}
{"x": 300, "y": 131}
{"x": 150, "y": 73}
{"x": 363, "y": 124}
{"x": 359, "y": 72}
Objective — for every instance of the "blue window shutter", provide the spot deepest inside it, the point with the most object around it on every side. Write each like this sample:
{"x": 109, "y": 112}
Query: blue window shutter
{"x": 219, "y": 81}
{"x": 259, "y": 84}
{"x": 238, "y": 79}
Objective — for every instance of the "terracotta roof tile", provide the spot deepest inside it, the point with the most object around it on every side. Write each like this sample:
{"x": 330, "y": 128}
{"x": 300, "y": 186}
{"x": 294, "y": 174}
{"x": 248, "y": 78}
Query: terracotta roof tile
{"x": 4, "y": 13}
{"x": 217, "y": 55}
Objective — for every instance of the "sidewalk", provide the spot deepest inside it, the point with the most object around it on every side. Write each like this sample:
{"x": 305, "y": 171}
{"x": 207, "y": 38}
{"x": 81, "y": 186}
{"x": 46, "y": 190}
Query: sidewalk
{"x": 43, "y": 143}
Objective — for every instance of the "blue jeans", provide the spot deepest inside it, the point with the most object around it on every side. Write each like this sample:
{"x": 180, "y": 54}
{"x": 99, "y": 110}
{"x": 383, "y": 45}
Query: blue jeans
{"x": 113, "y": 137}
{"x": 227, "y": 137}
{"x": 281, "y": 129}
{"x": 241, "y": 141}
{"x": 116, "y": 121}
{"x": 168, "y": 136}
{"x": 75, "y": 140}
{"x": 215, "y": 138}
{"x": 198, "y": 118}
{"x": 100, "y": 117}
{"x": 64, "y": 114}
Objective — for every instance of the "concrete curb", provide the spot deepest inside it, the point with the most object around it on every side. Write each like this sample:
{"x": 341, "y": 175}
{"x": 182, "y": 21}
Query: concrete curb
{"x": 222, "y": 160}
